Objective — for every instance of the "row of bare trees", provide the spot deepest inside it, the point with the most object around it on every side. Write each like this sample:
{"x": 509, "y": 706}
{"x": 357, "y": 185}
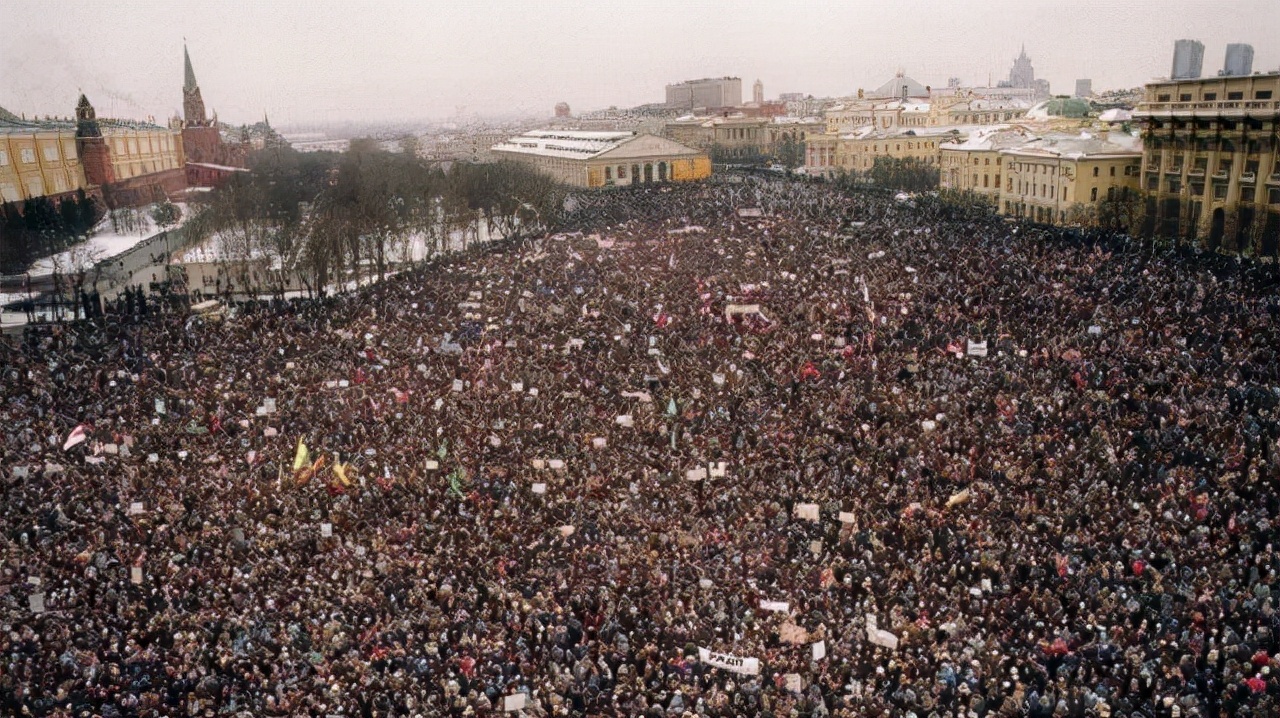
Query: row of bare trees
{"x": 325, "y": 220}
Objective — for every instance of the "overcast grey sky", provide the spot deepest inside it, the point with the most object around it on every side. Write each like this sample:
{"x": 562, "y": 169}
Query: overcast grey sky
{"x": 322, "y": 60}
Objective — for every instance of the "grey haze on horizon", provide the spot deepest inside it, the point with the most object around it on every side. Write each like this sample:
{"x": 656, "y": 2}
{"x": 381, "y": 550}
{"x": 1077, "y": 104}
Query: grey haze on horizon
{"x": 376, "y": 60}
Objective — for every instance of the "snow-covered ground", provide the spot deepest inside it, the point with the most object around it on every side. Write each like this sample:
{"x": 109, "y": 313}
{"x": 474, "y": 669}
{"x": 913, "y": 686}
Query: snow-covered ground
{"x": 104, "y": 243}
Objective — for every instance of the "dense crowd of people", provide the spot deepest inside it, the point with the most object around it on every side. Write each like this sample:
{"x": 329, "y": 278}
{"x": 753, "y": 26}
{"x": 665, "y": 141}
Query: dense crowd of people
{"x": 729, "y": 449}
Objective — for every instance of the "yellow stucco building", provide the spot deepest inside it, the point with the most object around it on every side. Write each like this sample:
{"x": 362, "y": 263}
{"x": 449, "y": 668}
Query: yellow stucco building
{"x": 974, "y": 165}
{"x": 1061, "y": 179}
{"x": 603, "y": 159}
{"x": 38, "y": 159}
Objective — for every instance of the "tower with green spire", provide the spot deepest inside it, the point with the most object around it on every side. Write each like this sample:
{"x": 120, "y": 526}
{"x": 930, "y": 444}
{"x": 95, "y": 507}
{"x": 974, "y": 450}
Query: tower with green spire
{"x": 192, "y": 103}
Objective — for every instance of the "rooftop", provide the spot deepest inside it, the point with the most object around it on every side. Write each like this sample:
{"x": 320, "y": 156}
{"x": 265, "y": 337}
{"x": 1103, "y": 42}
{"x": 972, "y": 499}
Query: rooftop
{"x": 572, "y": 144}
{"x": 1078, "y": 146}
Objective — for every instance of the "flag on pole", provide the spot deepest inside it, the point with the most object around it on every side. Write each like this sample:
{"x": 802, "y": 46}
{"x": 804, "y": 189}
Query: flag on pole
{"x": 302, "y": 457}
{"x": 340, "y": 471}
{"x": 455, "y": 482}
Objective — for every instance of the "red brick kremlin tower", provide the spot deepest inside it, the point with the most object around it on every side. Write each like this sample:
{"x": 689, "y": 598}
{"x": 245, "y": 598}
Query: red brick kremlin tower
{"x": 95, "y": 156}
{"x": 209, "y": 161}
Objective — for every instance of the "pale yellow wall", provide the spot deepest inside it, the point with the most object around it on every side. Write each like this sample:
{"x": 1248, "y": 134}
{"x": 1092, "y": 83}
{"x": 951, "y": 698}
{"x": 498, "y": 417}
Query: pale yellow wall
{"x": 977, "y": 171}
{"x": 1050, "y": 189}
{"x": 39, "y": 163}
{"x": 138, "y": 151}
{"x": 859, "y": 155}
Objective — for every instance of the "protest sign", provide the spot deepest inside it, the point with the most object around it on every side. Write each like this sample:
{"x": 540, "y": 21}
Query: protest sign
{"x": 136, "y": 507}
{"x": 78, "y": 436}
{"x": 976, "y": 349}
{"x": 36, "y": 602}
{"x": 776, "y": 606}
{"x": 880, "y": 637}
{"x": 567, "y": 531}
{"x": 958, "y": 498}
{"x": 457, "y": 385}
{"x": 793, "y": 682}
{"x": 539, "y": 488}
{"x": 743, "y": 665}
{"x": 555, "y": 464}
{"x": 809, "y": 512}
{"x": 513, "y": 702}
{"x": 135, "y": 574}
{"x": 819, "y": 650}
{"x": 718, "y": 469}
{"x": 625, "y": 420}
{"x": 847, "y": 517}
{"x": 697, "y": 474}
{"x": 326, "y": 530}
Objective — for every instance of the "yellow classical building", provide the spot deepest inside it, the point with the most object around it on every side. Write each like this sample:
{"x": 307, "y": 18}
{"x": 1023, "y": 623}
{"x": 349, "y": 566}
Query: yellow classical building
{"x": 602, "y": 159}
{"x": 740, "y": 139}
{"x": 1211, "y": 160}
{"x": 140, "y": 148}
{"x": 827, "y": 155}
{"x": 974, "y": 165}
{"x": 38, "y": 159}
{"x": 1061, "y": 179}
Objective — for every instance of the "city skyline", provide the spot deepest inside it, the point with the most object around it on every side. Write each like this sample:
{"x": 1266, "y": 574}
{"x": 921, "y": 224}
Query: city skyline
{"x": 339, "y": 62}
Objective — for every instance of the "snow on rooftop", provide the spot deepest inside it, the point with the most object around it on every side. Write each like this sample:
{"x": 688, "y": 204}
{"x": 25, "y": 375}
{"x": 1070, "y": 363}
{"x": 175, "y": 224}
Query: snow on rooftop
{"x": 574, "y": 144}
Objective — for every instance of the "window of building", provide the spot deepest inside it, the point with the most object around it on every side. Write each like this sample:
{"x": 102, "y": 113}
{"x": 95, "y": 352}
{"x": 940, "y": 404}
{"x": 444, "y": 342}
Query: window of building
{"x": 608, "y": 174}
{"x": 1273, "y": 195}
{"x": 622, "y": 171}
{"x": 28, "y": 156}
{"x": 50, "y": 151}
{"x": 1235, "y": 95}
{"x": 1210, "y": 96}
{"x": 1095, "y": 171}
{"x": 1184, "y": 97}
{"x": 1219, "y": 190}
{"x": 1175, "y": 185}
{"x": 1197, "y": 189}
{"x": 996, "y": 183}
{"x": 68, "y": 149}
{"x": 1262, "y": 95}
{"x": 1162, "y": 98}
{"x": 1111, "y": 193}
{"x": 1153, "y": 183}
{"x": 1113, "y": 171}
{"x": 986, "y": 180}
{"x": 35, "y": 187}
{"x": 1093, "y": 195}
{"x": 4, "y": 158}
{"x": 8, "y": 192}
